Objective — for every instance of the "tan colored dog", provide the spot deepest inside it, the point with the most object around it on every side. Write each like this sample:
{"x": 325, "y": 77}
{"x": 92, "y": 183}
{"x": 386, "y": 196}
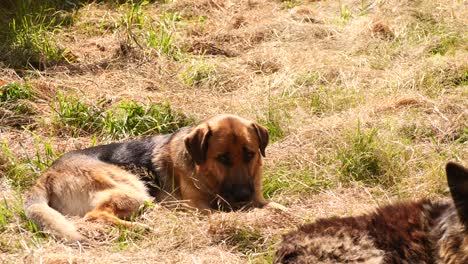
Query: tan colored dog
{"x": 214, "y": 165}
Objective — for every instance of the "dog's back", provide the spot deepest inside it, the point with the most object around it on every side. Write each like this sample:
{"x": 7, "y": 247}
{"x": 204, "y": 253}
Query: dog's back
{"x": 415, "y": 232}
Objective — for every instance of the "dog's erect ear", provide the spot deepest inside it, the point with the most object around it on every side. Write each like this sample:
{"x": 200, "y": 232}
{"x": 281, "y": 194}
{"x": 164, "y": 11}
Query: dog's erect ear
{"x": 457, "y": 177}
{"x": 263, "y": 138}
{"x": 196, "y": 143}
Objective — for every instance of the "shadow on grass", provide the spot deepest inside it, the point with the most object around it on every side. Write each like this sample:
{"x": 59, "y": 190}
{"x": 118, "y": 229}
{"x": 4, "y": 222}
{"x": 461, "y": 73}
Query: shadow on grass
{"x": 27, "y": 30}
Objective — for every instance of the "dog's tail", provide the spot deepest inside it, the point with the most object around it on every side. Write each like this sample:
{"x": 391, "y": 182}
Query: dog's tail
{"x": 47, "y": 218}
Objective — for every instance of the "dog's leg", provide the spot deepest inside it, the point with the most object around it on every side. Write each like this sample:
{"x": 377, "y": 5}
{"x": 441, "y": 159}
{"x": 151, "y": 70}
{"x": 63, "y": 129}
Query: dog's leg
{"x": 112, "y": 205}
{"x": 108, "y": 216}
{"x": 275, "y": 206}
{"x": 261, "y": 202}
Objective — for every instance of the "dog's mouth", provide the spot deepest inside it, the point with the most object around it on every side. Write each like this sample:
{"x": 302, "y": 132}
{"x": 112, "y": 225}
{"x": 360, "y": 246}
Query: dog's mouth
{"x": 237, "y": 193}
{"x": 221, "y": 204}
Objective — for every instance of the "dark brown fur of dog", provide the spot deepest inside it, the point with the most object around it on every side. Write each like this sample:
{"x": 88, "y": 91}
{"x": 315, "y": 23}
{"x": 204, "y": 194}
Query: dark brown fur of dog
{"x": 214, "y": 165}
{"x": 409, "y": 232}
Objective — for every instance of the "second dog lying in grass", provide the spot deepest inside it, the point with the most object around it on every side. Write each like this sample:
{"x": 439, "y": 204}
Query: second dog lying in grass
{"x": 416, "y": 232}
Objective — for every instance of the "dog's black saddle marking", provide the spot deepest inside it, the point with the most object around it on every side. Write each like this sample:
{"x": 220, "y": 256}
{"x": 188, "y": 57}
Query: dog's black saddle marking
{"x": 135, "y": 156}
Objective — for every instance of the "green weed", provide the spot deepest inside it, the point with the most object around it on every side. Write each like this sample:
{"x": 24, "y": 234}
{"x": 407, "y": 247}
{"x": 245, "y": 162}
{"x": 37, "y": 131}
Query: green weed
{"x": 28, "y": 36}
{"x": 308, "y": 78}
{"x": 142, "y": 30}
{"x": 265, "y": 257}
{"x": 288, "y": 4}
{"x": 321, "y": 94}
{"x": 127, "y": 237}
{"x": 15, "y": 91}
{"x": 162, "y": 40}
{"x": 11, "y": 213}
{"x": 133, "y": 18}
{"x": 364, "y": 158}
{"x": 21, "y": 173}
{"x": 246, "y": 240}
{"x": 131, "y": 119}
{"x": 324, "y": 100}
{"x": 364, "y": 7}
{"x": 200, "y": 74}
{"x": 446, "y": 44}
{"x": 73, "y": 112}
{"x": 16, "y": 108}
{"x": 463, "y": 138}
{"x": 345, "y": 13}
{"x": 432, "y": 81}
{"x": 415, "y": 132}
{"x": 5, "y": 214}
{"x": 284, "y": 180}
{"x": 127, "y": 118}
{"x": 272, "y": 121}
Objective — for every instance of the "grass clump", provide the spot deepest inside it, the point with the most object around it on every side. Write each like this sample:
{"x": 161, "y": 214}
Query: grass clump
{"x": 322, "y": 93}
{"x": 446, "y": 44}
{"x": 132, "y": 119}
{"x": 145, "y": 32}
{"x": 200, "y": 74}
{"x": 345, "y": 12}
{"x": 128, "y": 237}
{"x": 73, "y": 112}
{"x": 437, "y": 78}
{"x": 161, "y": 37}
{"x": 283, "y": 179}
{"x": 5, "y": 215}
{"x": 21, "y": 173}
{"x": 16, "y": 107}
{"x": 162, "y": 40}
{"x": 15, "y": 91}
{"x": 364, "y": 158}
{"x": 288, "y": 4}
{"x": 244, "y": 239}
{"x": 127, "y": 118}
{"x": 308, "y": 78}
{"x": 272, "y": 120}
{"x": 27, "y": 33}
{"x": 325, "y": 100}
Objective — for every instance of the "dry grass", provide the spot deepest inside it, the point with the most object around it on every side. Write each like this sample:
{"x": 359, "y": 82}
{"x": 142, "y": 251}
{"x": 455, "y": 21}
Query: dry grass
{"x": 323, "y": 76}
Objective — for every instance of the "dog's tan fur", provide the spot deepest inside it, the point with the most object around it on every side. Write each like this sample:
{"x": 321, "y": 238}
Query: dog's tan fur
{"x": 216, "y": 164}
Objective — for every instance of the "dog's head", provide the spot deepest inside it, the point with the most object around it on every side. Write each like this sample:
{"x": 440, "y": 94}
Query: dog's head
{"x": 455, "y": 247}
{"x": 227, "y": 151}
{"x": 457, "y": 178}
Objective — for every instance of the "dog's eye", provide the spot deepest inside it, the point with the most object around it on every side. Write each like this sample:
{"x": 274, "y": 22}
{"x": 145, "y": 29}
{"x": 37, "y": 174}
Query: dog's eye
{"x": 248, "y": 156}
{"x": 224, "y": 159}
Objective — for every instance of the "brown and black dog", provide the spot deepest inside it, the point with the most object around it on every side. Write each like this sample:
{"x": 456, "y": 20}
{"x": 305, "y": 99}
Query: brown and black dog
{"x": 214, "y": 165}
{"x": 407, "y": 232}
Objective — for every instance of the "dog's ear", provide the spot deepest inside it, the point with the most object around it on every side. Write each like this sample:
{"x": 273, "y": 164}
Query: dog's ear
{"x": 263, "y": 138}
{"x": 457, "y": 178}
{"x": 196, "y": 143}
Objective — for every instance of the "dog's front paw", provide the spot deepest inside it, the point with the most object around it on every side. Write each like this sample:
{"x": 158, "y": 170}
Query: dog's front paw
{"x": 275, "y": 206}
{"x": 141, "y": 227}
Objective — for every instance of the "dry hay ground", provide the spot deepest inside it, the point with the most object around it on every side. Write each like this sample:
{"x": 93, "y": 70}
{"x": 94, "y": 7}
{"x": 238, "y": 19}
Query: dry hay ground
{"x": 365, "y": 102}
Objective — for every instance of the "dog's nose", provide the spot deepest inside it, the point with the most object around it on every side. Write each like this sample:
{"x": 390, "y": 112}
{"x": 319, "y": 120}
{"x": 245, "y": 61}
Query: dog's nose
{"x": 241, "y": 193}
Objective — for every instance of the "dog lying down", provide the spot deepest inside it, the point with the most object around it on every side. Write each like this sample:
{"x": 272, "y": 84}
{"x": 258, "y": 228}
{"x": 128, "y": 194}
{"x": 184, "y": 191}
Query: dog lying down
{"x": 215, "y": 165}
{"x": 425, "y": 231}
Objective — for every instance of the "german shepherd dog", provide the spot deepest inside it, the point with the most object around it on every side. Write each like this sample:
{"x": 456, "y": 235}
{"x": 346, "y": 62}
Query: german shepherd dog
{"x": 412, "y": 232}
{"x": 215, "y": 165}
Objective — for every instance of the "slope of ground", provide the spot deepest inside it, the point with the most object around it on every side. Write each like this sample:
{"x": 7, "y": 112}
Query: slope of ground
{"x": 365, "y": 101}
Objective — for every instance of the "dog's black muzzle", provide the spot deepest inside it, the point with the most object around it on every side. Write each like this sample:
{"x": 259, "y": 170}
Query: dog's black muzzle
{"x": 237, "y": 193}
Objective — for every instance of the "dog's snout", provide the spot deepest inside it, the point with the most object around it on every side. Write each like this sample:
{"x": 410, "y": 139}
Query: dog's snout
{"x": 241, "y": 192}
